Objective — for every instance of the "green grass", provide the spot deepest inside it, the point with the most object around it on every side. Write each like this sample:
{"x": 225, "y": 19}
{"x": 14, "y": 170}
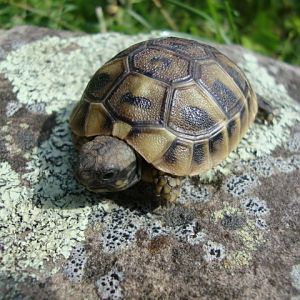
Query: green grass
{"x": 271, "y": 27}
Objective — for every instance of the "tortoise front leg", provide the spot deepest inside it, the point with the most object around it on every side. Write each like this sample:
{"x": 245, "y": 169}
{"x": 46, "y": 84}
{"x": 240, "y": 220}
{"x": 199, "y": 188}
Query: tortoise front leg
{"x": 265, "y": 110}
{"x": 167, "y": 186}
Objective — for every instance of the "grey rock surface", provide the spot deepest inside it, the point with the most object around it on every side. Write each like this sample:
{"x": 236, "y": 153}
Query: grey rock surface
{"x": 235, "y": 233}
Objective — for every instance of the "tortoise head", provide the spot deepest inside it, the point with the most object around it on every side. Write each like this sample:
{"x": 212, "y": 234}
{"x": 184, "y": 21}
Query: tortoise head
{"x": 107, "y": 164}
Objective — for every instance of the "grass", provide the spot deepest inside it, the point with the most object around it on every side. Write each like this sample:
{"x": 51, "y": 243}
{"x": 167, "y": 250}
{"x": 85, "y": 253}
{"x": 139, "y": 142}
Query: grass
{"x": 271, "y": 27}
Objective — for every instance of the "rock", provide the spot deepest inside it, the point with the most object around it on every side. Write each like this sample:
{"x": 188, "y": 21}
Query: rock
{"x": 234, "y": 233}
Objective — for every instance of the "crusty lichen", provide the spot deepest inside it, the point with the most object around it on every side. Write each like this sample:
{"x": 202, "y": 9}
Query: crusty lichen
{"x": 42, "y": 220}
{"x": 109, "y": 287}
{"x": 30, "y": 234}
{"x": 295, "y": 275}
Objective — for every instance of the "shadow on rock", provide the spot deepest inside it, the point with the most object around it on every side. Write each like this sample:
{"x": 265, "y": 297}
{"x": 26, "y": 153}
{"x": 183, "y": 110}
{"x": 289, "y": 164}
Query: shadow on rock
{"x": 51, "y": 174}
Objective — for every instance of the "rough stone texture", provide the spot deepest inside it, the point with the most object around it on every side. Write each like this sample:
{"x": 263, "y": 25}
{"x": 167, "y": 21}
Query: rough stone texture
{"x": 235, "y": 233}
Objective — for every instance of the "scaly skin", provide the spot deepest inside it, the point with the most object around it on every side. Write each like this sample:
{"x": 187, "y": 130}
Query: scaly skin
{"x": 167, "y": 186}
{"x": 106, "y": 164}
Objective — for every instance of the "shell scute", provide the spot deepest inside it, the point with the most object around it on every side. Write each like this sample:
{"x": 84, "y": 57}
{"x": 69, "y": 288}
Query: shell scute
{"x": 104, "y": 79}
{"x": 187, "y": 48}
{"x": 150, "y": 142}
{"x": 78, "y": 117}
{"x": 221, "y": 86}
{"x": 161, "y": 64}
{"x": 201, "y": 161}
{"x": 177, "y": 158}
{"x": 218, "y": 146}
{"x": 193, "y": 113}
{"x": 234, "y": 71}
{"x": 90, "y": 119}
{"x": 138, "y": 100}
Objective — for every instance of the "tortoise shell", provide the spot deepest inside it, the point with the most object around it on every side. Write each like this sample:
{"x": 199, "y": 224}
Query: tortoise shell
{"x": 182, "y": 105}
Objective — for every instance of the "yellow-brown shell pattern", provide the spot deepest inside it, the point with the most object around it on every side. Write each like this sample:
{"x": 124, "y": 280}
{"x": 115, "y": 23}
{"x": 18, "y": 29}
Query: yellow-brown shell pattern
{"x": 182, "y": 105}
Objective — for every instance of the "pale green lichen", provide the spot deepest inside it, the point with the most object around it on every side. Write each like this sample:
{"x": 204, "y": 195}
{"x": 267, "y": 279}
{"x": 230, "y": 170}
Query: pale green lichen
{"x": 213, "y": 251}
{"x": 31, "y": 235}
{"x": 45, "y": 218}
{"x": 295, "y": 274}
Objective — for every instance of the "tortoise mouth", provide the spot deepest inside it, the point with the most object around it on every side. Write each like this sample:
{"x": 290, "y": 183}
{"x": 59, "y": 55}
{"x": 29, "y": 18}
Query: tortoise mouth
{"x": 96, "y": 189}
{"x": 104, "y": 188}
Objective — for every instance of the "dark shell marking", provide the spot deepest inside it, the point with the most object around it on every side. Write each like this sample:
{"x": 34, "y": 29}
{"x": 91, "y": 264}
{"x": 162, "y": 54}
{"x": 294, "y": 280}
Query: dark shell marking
{"x": 180, "y": 104}
{"x": 140, "y": 102}
{"x": 198, "y": 153}
{"x": 197, "y": 117}
{"x": 224, "y": 96}
{"x": 99, "y": 81}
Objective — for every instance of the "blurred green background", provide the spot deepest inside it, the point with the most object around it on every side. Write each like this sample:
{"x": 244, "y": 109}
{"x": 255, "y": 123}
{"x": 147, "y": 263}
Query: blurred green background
{"x": 271, "y": 27}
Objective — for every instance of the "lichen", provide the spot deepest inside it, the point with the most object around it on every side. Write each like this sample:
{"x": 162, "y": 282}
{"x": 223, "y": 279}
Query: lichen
{"x": 120, "y": 229}
{"x": 30, "y": 234}
{"x": 12, "y": 108}
{"x": 238, "y": 258}
{"x": 295, "y": 275}
{"x": 193, "y": 193}
{"x": 263, "y": 166}
{"x": 239, "y": 186}
{"x": 213, "y": 251}
{"x": 247, "y": 233}
{"x": 189, "y": 233}
{"x": 294, "y": 142}
{"x": 74, "y": 268}
{"x": 108, "y": 286}
{"x": 255, "y": 206}
{"x": 44, "y": 212}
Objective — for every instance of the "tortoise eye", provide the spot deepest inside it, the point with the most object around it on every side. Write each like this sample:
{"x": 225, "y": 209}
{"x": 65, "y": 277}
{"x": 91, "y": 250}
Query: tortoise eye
{"x": 109, "y": 174}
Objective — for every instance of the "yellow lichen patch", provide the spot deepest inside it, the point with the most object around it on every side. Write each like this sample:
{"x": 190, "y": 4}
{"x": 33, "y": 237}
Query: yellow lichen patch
{"x": 250, "y": 235}
{"x": 219, "y": 214}
{"x": 237, "y": 259}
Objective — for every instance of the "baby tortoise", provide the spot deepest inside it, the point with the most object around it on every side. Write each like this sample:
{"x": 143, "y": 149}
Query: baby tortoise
{"x": 157, "y": 111}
